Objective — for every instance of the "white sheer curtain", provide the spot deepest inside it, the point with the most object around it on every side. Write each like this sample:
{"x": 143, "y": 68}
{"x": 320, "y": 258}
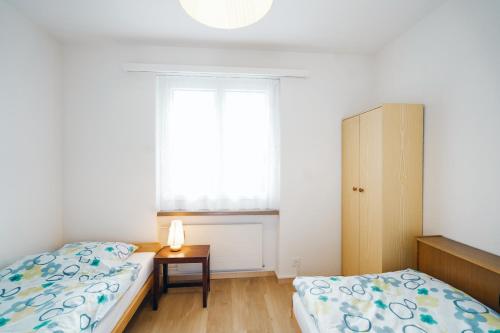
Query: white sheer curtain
{"x": 218, "y": 144}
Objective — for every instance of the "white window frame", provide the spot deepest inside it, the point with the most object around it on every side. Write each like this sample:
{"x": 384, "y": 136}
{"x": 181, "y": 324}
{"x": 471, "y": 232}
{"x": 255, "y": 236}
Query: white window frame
{"x": 165, "y": 84}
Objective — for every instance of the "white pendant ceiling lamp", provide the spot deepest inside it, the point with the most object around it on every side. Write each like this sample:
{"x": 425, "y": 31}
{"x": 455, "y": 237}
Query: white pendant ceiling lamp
{"x": 227, "y": 14}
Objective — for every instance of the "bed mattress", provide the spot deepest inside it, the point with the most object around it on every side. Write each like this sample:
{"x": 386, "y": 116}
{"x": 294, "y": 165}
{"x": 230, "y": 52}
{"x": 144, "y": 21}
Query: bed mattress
{"x": 404, "y": 301}
{"x": 304, "y": 319}
{"x": 113, "y": 316}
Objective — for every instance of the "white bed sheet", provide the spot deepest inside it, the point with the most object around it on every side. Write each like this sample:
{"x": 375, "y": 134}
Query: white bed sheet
{"x": 113, "y": 316}
{"x": 304, "y": 319}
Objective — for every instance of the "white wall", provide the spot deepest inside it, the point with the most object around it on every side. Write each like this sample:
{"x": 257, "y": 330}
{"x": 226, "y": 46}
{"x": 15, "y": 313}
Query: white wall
{"x": 450, "y": 62}
{"x": 109, "y": 146}
{"x": 30, "y": 138}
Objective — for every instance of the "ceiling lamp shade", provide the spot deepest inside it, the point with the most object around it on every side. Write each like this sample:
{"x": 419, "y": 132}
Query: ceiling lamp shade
{"x": 227, "y": 14}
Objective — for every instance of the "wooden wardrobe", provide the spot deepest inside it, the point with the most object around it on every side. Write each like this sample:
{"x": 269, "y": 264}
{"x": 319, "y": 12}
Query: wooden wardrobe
{"x": 382, "y": 155}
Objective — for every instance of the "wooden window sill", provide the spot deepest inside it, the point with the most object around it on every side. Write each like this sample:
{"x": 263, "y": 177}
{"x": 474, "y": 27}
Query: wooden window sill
{"x": 218, "y": 213}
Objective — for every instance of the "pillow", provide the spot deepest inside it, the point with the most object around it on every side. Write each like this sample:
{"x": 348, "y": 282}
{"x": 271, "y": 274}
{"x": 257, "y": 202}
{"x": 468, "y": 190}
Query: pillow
{"x": 99, "y": 250}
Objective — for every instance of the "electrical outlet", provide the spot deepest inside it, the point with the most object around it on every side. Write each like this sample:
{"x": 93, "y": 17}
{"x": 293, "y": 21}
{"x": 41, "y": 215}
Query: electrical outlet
{"x": 296, "y": 262}
{"x": 296, "y": 265}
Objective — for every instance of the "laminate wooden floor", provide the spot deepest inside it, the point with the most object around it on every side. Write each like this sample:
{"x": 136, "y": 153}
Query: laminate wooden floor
{"x": 258, "y": 304}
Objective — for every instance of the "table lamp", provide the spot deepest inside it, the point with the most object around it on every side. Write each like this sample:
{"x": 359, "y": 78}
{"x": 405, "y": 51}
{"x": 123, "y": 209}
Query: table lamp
{"x": 175, "y": 235}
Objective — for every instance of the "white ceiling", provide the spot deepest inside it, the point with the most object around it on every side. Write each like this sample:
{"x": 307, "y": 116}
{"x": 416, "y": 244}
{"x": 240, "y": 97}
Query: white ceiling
{"x": 357, "y": 26}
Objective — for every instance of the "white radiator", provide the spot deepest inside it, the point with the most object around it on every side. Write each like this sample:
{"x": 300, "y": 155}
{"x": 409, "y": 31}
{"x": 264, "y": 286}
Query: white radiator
{"x": 233, "y": 247}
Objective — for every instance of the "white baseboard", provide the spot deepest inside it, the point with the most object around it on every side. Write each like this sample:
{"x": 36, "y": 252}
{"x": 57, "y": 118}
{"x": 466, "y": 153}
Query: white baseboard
{"x": 285, "y": 276}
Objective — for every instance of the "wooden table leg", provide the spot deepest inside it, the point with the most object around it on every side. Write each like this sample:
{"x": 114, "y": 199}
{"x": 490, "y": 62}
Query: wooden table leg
{"x": 165, "y": 278}
{"x": 156, "y": 282}
{"x": 205, "y": 282}
{"x": 208, "y": 273}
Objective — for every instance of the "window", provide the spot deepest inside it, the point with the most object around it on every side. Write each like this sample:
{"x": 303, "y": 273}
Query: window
{"x": 218, "y": 144}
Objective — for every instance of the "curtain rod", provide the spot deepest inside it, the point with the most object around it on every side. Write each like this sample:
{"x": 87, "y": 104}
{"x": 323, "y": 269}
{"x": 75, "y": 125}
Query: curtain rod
{"x": 215, "y": 70}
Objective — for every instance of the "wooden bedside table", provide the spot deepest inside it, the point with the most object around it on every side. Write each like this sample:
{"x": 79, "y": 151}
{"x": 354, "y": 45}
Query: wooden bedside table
{"x": 189, "y": 254}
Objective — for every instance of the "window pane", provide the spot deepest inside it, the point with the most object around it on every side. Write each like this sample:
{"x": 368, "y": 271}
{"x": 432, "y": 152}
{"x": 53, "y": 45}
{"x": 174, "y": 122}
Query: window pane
{"x": 245, "y": 143}
{"x": 218, "y": 144}
{"x": 192, "y": 143}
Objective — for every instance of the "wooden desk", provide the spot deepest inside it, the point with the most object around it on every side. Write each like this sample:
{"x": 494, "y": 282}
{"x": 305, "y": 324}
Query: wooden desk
{"x": 189, "y": 254}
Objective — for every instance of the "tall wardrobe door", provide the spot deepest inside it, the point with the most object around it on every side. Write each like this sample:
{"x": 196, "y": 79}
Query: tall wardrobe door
{"x": 350, "y": 196}
{"x": 403, "y": 150}
{"x": 370, "y": 192}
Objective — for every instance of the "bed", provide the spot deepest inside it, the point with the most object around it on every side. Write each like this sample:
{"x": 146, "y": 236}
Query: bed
{"x": 408, "y": 301}
{"x": 117, "y": 319}
{"x": 81, "y": 287}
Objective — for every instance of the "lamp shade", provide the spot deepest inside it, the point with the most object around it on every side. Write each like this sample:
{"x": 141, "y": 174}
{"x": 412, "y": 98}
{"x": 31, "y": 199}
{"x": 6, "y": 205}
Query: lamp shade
{"x": 227, "y": 14}
{"x": 175, "y": 235}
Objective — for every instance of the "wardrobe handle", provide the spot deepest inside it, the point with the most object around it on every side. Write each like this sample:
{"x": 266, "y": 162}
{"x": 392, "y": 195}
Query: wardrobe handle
{"x": 354, "y": 188}
{"x": 361, "y": 189}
